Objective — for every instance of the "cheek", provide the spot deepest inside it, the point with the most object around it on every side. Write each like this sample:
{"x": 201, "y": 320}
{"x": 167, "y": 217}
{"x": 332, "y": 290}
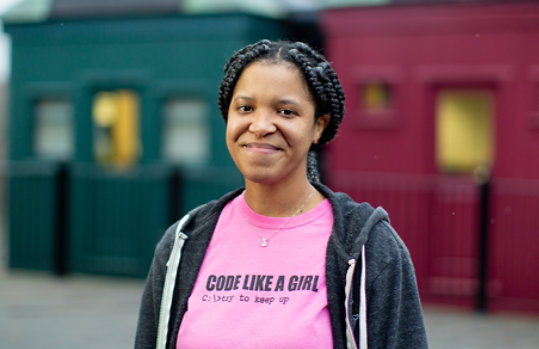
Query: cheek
{"x": 233, "y": 132}
{"x": 231, "y": 129}
{"x": 300, "y": 138}
{"x": 228, "y": 136}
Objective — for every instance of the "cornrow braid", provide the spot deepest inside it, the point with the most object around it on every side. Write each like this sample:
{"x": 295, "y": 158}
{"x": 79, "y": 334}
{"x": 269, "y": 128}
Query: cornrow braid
{"x": 233, "y": 69}
{"x": 319, "y": 76}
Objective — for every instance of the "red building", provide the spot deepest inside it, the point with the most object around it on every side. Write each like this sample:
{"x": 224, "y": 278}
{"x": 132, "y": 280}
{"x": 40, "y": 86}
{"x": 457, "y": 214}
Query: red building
{"x": 441, "y": 97}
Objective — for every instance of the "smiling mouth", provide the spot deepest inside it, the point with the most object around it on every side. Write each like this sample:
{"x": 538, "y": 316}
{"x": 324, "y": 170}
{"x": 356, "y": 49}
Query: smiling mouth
{"x": 261, "y": 148}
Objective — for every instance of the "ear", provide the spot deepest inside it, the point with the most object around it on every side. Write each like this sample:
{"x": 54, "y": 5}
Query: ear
{"x": 319, "y": 127}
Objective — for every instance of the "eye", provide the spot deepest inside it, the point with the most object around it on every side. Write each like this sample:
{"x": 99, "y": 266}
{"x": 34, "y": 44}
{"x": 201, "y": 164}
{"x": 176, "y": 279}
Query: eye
{"x": 287, "y": 112}
{"x": 245, "y": 108}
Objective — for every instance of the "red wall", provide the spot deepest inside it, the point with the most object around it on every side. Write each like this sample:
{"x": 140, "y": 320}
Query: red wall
{"x": 389, "y": 159}
{"x": 421, "y": 48}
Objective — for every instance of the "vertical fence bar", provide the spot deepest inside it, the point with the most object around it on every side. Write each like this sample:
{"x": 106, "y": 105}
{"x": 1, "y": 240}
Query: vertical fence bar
{"x": 61, "y": 219}
{"x": 175, "y": 187}
{"x": 482, "y": 272}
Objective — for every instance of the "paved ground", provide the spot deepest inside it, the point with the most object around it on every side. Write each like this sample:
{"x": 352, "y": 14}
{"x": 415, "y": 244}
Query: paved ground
{"x": 42, "y": 311}
{"x": 39, "y": 311}
{"x": 464, "y": 330}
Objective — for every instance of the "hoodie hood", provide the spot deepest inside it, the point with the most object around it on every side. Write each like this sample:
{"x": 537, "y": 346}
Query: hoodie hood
{"x": 355, "y": 217}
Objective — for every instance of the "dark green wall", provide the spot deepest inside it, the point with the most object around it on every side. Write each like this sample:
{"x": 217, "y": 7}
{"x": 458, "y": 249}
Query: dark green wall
{"x": 159, "y": 57}
{"x": 112, "y": 220}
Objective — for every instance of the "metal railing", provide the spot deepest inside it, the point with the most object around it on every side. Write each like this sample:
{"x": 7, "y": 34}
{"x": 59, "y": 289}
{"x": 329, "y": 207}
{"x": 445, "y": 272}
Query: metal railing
{"x": 464, "y": 237}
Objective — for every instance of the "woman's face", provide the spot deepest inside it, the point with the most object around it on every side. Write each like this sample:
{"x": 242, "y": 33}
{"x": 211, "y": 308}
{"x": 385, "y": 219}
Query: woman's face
{"x": 271, "y": 124}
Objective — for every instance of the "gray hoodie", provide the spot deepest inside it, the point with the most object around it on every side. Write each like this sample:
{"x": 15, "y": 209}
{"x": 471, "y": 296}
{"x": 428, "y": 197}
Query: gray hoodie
{"x": 379, "y": 308}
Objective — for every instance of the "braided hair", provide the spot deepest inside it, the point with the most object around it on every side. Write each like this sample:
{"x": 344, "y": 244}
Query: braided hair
{"x": 320, "y": 77}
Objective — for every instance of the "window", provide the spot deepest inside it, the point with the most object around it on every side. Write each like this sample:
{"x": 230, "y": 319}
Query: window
{"x": 53, "y": 129}
{"x": 115, "y": 116}
{"x": 376, "y": 97}
{"x": 186, "y": 135}
{"x": 464, "y": 130}
{"x": 376, "y": 104}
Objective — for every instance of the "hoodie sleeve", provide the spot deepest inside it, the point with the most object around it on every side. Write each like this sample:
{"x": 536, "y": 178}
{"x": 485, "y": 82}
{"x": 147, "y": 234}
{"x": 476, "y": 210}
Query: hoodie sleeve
{"x": 394, "y": 314}
{"x": 148, "y": 319}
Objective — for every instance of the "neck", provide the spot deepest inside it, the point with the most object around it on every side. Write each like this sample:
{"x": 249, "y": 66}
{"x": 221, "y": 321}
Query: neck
{"x": 277, "y": 200}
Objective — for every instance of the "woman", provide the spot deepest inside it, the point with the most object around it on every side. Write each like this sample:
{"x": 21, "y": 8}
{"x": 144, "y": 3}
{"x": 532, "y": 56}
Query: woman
{"x": 281, "y": 262}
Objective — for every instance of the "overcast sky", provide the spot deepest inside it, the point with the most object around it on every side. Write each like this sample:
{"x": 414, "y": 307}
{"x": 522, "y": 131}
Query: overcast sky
{"x": 4, "y": 43}
{"x": 4, "y": 57}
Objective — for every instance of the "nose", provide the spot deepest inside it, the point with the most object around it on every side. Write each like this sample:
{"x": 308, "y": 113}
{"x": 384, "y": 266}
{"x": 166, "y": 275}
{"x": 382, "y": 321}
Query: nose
{"x": 262, "y": 123}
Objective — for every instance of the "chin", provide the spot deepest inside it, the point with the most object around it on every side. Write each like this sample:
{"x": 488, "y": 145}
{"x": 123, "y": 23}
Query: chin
{"x": 261, "y": 177}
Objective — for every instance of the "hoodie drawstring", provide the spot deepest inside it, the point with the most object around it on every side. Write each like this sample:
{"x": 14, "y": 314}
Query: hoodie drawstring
{"x": 170, "y": 281}
{"x": 350, "y": 340}
{"x": 363, "y": 302}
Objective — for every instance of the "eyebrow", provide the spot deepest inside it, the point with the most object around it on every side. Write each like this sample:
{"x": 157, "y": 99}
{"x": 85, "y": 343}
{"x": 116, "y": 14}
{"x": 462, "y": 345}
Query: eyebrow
{"x": 243, "y": 97}
{"x": 288, "y": 101}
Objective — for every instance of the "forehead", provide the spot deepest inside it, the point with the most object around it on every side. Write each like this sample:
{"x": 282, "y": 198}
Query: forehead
{"x": 273, "y": 75}
{"x": 273, "y": 66}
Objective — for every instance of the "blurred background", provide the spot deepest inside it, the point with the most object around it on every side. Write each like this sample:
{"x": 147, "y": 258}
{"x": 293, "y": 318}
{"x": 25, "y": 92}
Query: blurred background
{"x": 110, "y": 131}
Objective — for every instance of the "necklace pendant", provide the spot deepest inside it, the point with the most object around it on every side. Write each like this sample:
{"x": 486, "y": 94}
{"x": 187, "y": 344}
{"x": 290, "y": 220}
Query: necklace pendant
{"x": 264, "y": 242}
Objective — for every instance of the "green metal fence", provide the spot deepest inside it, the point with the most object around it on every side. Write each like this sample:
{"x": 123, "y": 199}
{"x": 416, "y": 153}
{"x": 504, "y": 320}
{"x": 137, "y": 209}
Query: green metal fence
{"x": 32, "y": 195}
{"x": 82, "y": 218}
{"x": 116, "y": 218}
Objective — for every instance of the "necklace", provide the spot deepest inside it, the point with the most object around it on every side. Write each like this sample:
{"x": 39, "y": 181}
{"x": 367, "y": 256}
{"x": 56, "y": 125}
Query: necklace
{"x": 265, "y": 240}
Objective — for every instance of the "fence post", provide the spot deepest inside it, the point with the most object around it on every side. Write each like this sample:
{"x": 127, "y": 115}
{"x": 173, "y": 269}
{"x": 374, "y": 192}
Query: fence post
{"x": 482, "y": 272}
{"x": 61, "y": 219}
{"x": 175, "y": 188}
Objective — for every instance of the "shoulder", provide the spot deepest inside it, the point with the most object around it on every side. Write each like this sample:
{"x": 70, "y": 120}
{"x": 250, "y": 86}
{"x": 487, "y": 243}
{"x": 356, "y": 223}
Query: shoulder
{"x": 359, "y": 223}
{"x": 363, "y": 219}
{"x": 349, "y": 215}
{"x": 385, "y": 245}
{"x": 389, "y": 265}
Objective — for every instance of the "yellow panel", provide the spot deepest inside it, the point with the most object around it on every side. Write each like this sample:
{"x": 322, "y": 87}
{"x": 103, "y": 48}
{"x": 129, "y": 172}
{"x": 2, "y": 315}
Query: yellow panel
{"x": 464, "y": 130}
{"x": 105, "y": 109}
{"x": 126, "y": 130}
{"x": 116, "y": 120}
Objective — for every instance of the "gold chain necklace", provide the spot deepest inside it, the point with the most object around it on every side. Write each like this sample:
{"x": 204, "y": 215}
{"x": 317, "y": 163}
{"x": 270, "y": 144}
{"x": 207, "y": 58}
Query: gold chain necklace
{"x": 265, "y": 240}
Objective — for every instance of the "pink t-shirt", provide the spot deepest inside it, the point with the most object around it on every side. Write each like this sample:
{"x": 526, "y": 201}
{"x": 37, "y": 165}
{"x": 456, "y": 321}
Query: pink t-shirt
{"x": 249, "y": 296}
